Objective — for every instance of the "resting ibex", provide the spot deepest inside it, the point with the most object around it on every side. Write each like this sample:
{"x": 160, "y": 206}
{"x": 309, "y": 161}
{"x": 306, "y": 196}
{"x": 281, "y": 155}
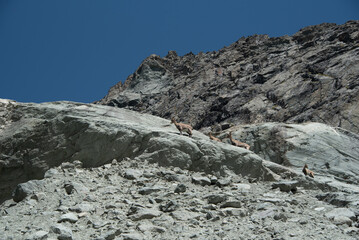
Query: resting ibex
{"x": 214, "y": 138}
{"x": 238, "y": 143}
{"x": 182, "y": 127}
{"x": 308, "y": 172}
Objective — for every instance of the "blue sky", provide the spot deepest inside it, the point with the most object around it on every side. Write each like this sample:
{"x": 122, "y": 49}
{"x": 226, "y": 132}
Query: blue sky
{"x": 76, "y": 50}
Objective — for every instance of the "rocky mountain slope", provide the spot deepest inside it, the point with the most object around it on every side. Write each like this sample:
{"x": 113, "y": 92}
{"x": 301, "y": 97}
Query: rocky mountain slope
{"x": 310, "y": 76}
{"x": 135, "y": 200}
{"x": 85, "y": 171}
{"x": 36, "y": 137}
{"x": 90, "y": 171}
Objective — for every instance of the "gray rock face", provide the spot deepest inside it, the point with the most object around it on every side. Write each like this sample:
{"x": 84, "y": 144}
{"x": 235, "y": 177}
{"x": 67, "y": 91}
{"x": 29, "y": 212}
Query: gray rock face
{"x": 328, "y": 151}
{"x": 310, "y": 76}
{"x": 36, "y": 137}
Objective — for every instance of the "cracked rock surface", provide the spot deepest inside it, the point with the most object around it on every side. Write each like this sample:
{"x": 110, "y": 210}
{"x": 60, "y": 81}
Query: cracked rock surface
{"x": 309, "y": 76}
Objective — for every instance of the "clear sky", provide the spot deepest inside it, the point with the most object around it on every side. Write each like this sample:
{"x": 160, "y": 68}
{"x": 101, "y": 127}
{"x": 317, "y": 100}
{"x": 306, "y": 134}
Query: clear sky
{"x": 76, "y": 50}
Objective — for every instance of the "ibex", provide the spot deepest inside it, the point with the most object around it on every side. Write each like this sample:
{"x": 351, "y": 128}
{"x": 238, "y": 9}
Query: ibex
{"x": 308, "y": 172}
{"x": 238, "y": 143}
{"x": 182, "y": 127}
{"x": 214, "y": 138}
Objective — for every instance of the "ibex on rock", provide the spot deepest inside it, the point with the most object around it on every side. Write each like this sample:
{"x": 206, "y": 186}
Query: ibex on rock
{"x": 308, "y": 172}
{"x": 214, "y": 138}
{"x": 182, "y": 127}
{"x": 238, "y": 143}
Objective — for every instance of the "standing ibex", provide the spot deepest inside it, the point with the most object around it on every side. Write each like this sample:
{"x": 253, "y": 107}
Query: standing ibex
{"x": 182, "y": 127}
{"x": 238, "y": 143}
{"x": 308, "y": 172}
{"x": 214, "y": 138}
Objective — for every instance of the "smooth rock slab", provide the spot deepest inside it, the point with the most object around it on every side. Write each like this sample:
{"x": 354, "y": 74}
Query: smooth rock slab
{"x": 341, "y": 220}
{"x": 51, "y": 173}
{"x": 82, "y": 207}
{"x": 132, "y": 174}
{"x": 235, "y": 212}
{"x": 203, "y": 181}
{"x": 145, "y": 214}
{"x": 341, "y": 212}
{"x": 149, "y": 190}
{"x": 69, "y": 217}
{"x": 223, "y": 182}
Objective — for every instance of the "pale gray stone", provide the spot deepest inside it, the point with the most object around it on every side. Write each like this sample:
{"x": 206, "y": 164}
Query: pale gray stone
{"x": 132, "y": 174}
{"x": 82, "y": 207}
{"x": 341, "y": 220}
{"x": 345, "y": 212}
{"x": 68, "y": 217}
{"x": 203, "y": 181}
{"x": 51, "y": 173}
{"x": 149, "y": 190}
{"x": 145, "y": 214}
{"x": 234, "y": 212}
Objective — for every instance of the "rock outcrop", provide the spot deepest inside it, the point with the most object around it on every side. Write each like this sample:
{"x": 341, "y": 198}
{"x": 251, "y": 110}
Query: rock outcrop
{"x": 85, "y": 171}
{"x": 310, "y": 76}
{"x": 332, "y": 153}
{"x": 36, "y": 137}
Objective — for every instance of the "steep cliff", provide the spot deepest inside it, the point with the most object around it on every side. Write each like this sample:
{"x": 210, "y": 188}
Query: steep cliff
{"x": 310, "y": 76}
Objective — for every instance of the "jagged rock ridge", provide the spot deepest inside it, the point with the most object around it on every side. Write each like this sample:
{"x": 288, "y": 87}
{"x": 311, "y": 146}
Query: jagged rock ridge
{"x": 310, "y": 76}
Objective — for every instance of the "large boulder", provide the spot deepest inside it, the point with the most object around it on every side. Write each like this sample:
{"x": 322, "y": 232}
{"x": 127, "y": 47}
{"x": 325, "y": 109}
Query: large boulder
{"x": 328, "y": 151}
{"x": 36, "y": 137}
